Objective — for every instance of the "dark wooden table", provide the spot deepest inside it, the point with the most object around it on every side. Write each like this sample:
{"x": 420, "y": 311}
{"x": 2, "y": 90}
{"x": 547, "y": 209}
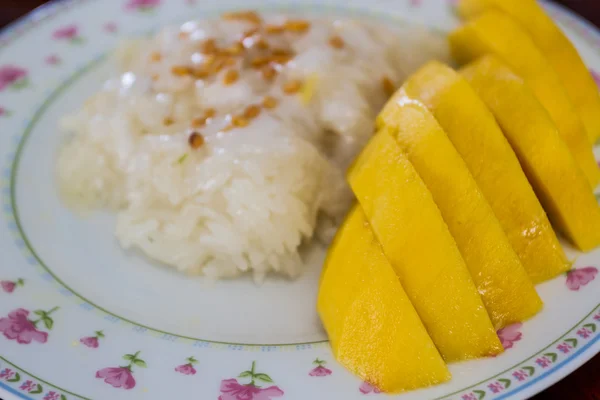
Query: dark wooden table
{"x": 583, "y": 384}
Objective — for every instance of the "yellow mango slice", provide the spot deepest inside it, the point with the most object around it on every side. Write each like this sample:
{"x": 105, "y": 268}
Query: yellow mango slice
{"x": 476, "y": 136}
{"x": 496, "y": 33}
{"x": 555, "y": 176}
{"x": 507, "y": 292}
{"x": 557, "y": 48}
{"x": 417, "y": 242}
{"x": 373, "y": 328}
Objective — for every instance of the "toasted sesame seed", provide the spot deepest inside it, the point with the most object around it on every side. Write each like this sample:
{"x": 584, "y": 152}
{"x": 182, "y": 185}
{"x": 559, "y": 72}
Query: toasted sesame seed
{"x": 259, "y": 62}
{"x": 229, "y": 62}
{"x": 297, "y": 25}
{"x": 208, "y": 60}
{"x": 262, "y": 44}
{"x": 269, "y": 102}
{"x": 388, "y": 86}
{"x": 209, "y": 46}
{"x": 196, "y": 140}
{"x": 231, "y": 76}
{"x": 274, "y": 29}
{"x": 239, "y": 121}
{"x": 155, "y": 56}
{"x": 336, "y": 42}
{"x": 198, "y": 122}
{"x": 248, "y": 34}
{"x": 283, "y": 59}
{"x": 181, "y": 70}
{"x": 250, "y": 16}
{"x": 292, "y": 86}
{"x": 281, "y": 52}
{"x": 235, "y": 49}
{"x": 268, "y": 72}
{"x": 168, "y": 121}
{"x": 210, "y": 112}
{"x": 252, "y": 111}
{"x": 201, "y": 73}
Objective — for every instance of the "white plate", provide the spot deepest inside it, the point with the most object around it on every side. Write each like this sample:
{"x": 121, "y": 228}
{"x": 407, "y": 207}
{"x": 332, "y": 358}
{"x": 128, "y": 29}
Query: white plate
{"x": 73, "y": 269}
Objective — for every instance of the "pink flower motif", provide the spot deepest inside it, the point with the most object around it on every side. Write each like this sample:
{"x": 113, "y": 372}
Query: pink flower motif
{"x": 3, "y": 113}
{"x": 52, "y": 396}
{"x": 510, "y": 334}
{"x": 578, "y": 277}
{"x": 11, "y": 75}
{"x": 469, "y": 396}
{"x": 92, "y": 341}
{"x": 117, "y": 377}
{"x": 27, "y": 386}
{"x": 142, "y": 5}
{"x": 584, "y": 333}
{"x": 122, "y": 377}
{"x": 496, "y": 387}
{"x": 231, "y": 389}
{"x": 564, "y": 347}
{"x": 543, "y": 362}
{"x": 597, "y": 317}
{"x": 18, "y": 326}
{"x": 68, "y": 32}
{"x": 7, "y": 373}
{"x": 188, "y": 368}
{"x": 520, "y": 375}
{"x": 366, "y": 388}
{"x": 319, "y": 370}
{"x": 110, "y": 27}
{"x": 52, "y": 59}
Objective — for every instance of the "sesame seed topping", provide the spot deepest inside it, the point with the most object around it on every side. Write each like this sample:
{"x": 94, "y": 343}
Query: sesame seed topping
{"x": 297, "y": 25}
{"x": 249, "y": 16}
{"x": 292, "y": 86}
{"x": 155, "y": 56}
{"x": 210, "y": 112}
{"x": 252, "y": 111}
{"x": 268, "y": 72}
{"x": 336, "y": 42}
{"x": 181, "y": 70}
{"x": 269, "y": 102}
{"x": 231, "y": 76}
{"x": 239, "y": 121}
{"x": 196, "y": 140}
{"x": 209, "y": 46}
{"x": 274, "y": 29}
{"x": 167, "y": 121}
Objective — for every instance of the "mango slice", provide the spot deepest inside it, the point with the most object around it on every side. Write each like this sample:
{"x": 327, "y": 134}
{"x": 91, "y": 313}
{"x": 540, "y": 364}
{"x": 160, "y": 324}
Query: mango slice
{"x": 373, "y": 328}
{"x": 477, "y": 137}
{"x": 496, "y": 33}
{"x": 419, "y": 246}
{"x": 558, "y": 49}
{"x": 507, "y": 292}
{"x": 558, "y": 181}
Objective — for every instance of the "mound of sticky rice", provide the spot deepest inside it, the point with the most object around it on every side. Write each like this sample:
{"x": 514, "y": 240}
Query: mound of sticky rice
{"x": 222, "y": 144}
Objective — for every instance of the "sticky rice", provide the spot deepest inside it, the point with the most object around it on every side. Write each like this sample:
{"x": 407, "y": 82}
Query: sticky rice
{"x": 218, "y": 162}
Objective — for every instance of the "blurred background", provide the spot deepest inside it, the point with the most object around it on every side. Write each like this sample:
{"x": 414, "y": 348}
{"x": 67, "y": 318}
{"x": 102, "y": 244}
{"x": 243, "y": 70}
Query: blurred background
{"x": 584, "y": 384}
